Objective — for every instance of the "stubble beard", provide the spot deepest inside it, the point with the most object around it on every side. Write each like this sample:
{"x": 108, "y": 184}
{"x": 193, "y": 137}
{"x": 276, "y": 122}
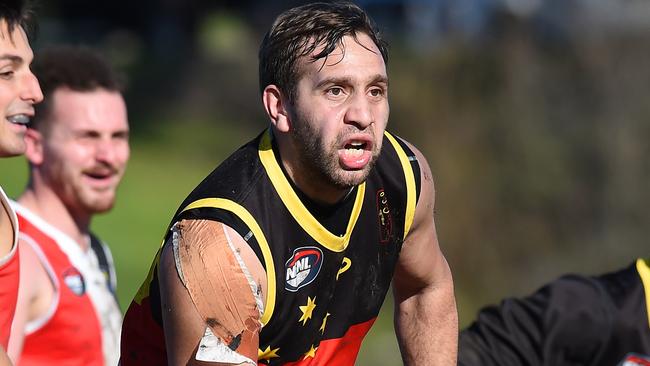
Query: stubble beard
{"x": 81, "y": 198}
{"x": 321, "y": 163}
{"x": 96, "y": 205}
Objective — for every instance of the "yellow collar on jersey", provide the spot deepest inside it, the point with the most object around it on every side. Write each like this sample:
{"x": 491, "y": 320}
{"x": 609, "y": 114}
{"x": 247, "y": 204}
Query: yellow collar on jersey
{"x": 298, "y": 210}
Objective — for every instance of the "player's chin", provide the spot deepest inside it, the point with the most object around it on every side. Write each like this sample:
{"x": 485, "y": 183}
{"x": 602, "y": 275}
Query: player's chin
{"x": 100, "y": 203}
{"x": 12, "y": 148}
{"x": 350, "y": 178}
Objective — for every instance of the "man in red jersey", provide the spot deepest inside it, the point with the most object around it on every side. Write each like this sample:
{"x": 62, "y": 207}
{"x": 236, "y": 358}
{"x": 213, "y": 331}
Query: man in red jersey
{"x": 77, "y": 149}
{"x": 19, "y": 91}
{"x": 284, "y": 254}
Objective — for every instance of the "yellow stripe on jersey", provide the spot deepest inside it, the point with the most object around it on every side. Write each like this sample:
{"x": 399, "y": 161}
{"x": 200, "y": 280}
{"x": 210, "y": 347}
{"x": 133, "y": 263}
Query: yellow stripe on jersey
{"x": 299, "y": 212}
{"x": 248, "y": 219}
{"x": 644, "y": 271}
{"x": 409, "y": 176}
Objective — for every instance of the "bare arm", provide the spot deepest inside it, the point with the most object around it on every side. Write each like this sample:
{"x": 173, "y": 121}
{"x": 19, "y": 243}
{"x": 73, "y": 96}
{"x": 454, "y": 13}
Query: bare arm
{"x": 35, "y": 295}
{"x": 426, "y": 319}
{"x": 206, "y": 296}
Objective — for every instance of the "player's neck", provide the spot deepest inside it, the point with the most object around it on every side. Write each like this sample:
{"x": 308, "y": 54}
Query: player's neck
{"x": 315, "y": 188}
{"x": 49, "y": 207}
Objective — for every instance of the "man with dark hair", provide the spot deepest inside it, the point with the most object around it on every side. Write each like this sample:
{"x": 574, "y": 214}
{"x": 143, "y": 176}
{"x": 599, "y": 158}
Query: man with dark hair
{"x": 574, "y": 320}
{"x": 77, "y": 149}
{"x": 285, "y": 252}
{"x": 19, "y": 91}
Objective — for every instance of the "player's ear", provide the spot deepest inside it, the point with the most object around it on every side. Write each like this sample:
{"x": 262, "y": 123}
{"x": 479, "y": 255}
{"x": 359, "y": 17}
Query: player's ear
{"x": 276, "y": 105}
{"x": 34, "y": 146}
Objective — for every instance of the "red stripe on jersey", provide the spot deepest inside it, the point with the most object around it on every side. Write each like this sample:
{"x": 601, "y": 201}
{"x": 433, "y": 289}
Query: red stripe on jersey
{"x": 72, "y": 336}
{"x": 9, "y": 277}
{"x": 638, "y": 361}
{"x": 340, "y": 351}
{"x": 143, "y": 341}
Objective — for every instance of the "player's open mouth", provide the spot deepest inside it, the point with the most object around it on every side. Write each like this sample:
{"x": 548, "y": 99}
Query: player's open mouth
{"x": 19, "y": 119}
{"x": 98, "y": 176}
{"x": 356, "y": 153}
{"x": 355, "y": 148}
{"x": 101, "y": 178}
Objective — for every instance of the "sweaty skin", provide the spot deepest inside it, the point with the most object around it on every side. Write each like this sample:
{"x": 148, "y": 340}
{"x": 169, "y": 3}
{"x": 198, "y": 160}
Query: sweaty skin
{"x": 217, "y": 284}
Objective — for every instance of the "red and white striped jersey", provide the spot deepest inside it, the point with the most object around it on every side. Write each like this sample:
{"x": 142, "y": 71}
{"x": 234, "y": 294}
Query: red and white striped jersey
{"x": 9, "y": 276}
{"x": 82, "y": 326}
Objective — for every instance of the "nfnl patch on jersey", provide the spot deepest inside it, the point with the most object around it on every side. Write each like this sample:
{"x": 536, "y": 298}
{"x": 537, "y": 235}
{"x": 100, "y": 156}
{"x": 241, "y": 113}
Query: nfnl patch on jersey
{"x": 74, "y": 280}
{"x": 302, "y": 268}
{"x": 634, "y": 359}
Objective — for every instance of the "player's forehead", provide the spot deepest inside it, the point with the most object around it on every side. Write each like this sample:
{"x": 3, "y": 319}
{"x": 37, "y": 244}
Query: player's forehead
{"x": 353, "y": 57}
{"x": 99, "y": 109}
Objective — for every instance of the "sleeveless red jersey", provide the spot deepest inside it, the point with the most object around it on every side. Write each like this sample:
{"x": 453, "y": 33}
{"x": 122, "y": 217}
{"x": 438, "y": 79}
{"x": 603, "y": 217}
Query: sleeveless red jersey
{"x": 82, "y": 324}
{"x": 9, "y": 276}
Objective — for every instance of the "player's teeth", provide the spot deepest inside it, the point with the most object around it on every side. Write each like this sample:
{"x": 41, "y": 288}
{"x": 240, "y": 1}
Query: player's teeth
{"x": 19, "y": 119}
{"x": 355, "y": 152}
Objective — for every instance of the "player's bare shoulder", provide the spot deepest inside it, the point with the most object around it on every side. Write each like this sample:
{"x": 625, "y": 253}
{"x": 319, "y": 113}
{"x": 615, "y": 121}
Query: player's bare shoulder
{"x": 222, "y": 279}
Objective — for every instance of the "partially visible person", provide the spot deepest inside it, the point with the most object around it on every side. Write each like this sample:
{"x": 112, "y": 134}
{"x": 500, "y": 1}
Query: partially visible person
{"x": 19, "y": 91}
{"x": 572, "y": 321}
{"x": 77, "y": 149}
{"x": 284, "y": 254}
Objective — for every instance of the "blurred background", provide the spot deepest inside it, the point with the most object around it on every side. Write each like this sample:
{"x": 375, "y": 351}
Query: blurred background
{"x": 533, "y": 114}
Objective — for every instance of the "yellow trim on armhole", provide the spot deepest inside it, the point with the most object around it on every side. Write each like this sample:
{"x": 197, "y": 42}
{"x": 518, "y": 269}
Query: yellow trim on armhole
{"x": 409, "y": 176}
{"x": 299, "y": 212}
{"x": 248, "y": 219}
{"x": 644, "y": 271}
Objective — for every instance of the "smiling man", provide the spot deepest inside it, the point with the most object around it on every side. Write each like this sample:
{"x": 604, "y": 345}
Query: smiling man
{"x": 19, "y": 91}
{"x": 285, "y": 252}
{"x": 77, "y": 149}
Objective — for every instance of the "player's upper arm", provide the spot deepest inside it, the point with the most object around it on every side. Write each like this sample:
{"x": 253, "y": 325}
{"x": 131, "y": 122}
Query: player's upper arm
{"x": 36, "y": 295}
{"x": 211, "y": 295}
{"x": 421, "y": 262}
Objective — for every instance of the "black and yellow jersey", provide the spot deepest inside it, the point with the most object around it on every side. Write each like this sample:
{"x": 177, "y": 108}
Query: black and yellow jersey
{"x": 328, "y": 272}
{"x": 575, "y": 320}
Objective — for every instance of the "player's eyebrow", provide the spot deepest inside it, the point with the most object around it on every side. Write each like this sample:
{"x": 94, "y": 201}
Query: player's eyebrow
{"x": 335, "y": 80}
{"x": 345, "y": 80}
{"x": 13, "y": 58}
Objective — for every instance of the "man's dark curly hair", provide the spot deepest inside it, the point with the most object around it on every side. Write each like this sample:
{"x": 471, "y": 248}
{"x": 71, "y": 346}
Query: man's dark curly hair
{"x": 299, "y": 31}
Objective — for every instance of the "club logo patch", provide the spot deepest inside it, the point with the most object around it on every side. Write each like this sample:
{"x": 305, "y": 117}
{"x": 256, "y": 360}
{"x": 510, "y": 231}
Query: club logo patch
{"x": 302, "y": 268}
{"x": 384, "y": 217}
{"x": 75, "y": 281}
{"x": 634, "y": 359}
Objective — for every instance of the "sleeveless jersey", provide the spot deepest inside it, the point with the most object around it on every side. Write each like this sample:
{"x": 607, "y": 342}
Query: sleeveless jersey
{"x": 82, "y": 325}
{"x": 9, "y": 277}
{"x": 324, "y": 290}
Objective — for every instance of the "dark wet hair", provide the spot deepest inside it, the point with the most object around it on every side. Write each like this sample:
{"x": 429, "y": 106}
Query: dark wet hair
{"x": 299, "y": 31}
